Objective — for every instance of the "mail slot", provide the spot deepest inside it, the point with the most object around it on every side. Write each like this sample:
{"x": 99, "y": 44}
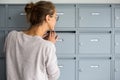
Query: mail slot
{"x": 65, "y": 42}
{"x": 17, "y": 16}
{"x": 94, "y": 69}
{"x": 117, "y": 69}
{"x": 67, "y": 66}
{"x": 66, "y": 15}
{"x": 117, "y": 17}
{"x": 2, "y": 69}
{"x": 117, "y": 43}
{"x": 2, "y": 16}
{"x": 94, "y": 16}
{"x": 94, "y": 43}
{"x": 2, "y": 39}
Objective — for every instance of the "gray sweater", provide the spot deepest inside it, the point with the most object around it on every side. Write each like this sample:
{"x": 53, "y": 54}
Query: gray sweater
{"x": 30, "y": 58}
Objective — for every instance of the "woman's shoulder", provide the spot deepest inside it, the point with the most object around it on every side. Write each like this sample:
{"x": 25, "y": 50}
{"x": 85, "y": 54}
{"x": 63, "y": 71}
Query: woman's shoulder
{"x": 12, "y": 33}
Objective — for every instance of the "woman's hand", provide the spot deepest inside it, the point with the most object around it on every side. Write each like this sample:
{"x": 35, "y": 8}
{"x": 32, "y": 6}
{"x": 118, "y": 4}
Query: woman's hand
{"x": 51, "y": 36}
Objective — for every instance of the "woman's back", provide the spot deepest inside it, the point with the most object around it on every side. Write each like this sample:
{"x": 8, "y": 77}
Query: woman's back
{"x": 27, "y": 57}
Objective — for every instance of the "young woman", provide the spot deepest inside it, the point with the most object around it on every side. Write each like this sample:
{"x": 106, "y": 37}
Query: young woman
{"x": 28, "y": 55}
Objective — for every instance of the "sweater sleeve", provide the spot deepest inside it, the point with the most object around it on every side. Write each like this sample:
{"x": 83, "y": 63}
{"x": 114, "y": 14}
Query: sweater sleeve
{"x": 51, "y": 64}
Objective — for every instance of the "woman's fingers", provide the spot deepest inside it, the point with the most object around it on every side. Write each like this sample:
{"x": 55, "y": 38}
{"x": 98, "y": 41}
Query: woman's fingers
{"x": 56, "y": 37}
{"x": 52, "y": 36}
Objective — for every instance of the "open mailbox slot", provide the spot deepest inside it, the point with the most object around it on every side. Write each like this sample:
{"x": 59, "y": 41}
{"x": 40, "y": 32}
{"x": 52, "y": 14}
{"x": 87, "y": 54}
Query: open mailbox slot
{"x": 65, "y": 42}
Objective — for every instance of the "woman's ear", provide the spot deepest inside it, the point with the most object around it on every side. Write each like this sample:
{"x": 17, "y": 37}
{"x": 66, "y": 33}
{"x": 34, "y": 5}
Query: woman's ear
{"x": 48, "y": 18}
{"x": 48, "y": 21}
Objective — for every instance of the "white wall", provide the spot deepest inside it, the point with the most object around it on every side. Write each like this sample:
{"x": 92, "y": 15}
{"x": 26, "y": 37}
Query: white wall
{"x": 114, "y": 1}
{"x": 14, "y": 1}
{"x": 93, "y": 1}
{"x": 61, "y": 1}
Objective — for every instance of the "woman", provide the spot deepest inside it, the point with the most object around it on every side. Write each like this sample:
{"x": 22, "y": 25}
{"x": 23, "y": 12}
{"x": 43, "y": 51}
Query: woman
{"x": 28, "y": 55}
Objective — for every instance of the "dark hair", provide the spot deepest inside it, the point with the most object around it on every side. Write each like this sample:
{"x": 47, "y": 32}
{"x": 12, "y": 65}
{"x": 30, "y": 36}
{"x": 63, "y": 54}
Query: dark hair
{"x": 36, "y": 12}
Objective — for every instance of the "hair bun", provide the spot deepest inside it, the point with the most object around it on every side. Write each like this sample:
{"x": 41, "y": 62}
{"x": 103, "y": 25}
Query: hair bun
{"x": 29, "y": 7}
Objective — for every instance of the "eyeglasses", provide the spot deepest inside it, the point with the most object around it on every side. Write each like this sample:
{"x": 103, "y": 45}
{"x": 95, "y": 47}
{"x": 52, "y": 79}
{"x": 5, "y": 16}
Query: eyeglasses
{"x": 56, "y": 17}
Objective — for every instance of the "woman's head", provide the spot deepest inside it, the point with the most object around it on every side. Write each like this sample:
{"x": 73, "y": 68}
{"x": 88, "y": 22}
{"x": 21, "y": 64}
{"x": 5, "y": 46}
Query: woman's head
{"x": 40, "y": 12}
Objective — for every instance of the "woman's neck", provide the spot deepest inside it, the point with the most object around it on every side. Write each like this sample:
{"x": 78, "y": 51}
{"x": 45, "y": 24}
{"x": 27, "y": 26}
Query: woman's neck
{"x": 36, "y": 30}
